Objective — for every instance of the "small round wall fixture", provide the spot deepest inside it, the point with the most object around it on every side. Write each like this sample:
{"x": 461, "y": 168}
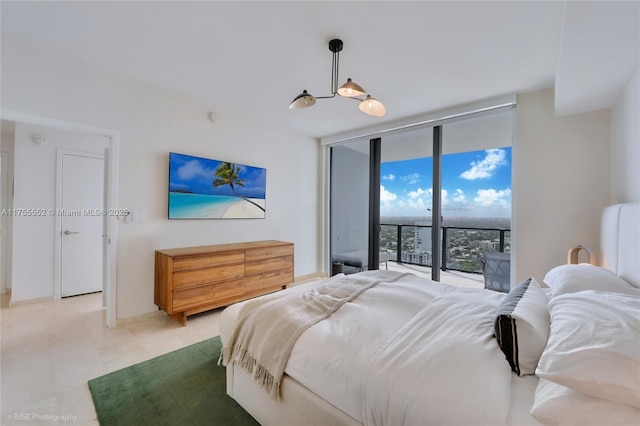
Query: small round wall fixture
{"x": 39, "y": 139}
{"x": 212, "y": 117}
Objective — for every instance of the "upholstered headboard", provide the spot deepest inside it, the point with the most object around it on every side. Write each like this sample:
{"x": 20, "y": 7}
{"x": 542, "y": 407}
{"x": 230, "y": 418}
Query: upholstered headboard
{"x": 620, "y": 241}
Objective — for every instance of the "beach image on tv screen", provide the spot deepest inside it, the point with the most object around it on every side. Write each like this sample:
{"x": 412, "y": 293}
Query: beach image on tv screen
{"x": 201, "y": 188}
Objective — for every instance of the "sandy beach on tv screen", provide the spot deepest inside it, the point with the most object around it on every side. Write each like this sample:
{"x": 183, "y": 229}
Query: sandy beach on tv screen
{"x": 244, "y": 209}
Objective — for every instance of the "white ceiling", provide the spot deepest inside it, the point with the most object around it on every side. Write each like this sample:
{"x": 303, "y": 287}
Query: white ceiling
{"x": 416, "y": 56}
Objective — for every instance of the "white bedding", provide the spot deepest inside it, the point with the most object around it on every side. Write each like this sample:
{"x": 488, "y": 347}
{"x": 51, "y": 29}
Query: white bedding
{"x": 422, "y": 353}
{"x": 378, "y": 379}
{"x": 449, "y": 343}
{"x": 323, "y": 363}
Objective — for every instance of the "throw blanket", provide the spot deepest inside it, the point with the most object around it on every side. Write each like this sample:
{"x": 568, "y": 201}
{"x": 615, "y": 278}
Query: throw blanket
{"x": 268, "y": 328}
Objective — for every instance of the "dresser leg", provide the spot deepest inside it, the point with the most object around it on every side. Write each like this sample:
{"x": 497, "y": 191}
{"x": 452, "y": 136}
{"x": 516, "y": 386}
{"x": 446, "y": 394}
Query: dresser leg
{"x": 181, "y": 317}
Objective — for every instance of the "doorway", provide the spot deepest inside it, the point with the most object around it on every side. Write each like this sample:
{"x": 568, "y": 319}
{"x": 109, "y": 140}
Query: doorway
{"x": 81, "y": 222}
{"x": 111, "y": 140}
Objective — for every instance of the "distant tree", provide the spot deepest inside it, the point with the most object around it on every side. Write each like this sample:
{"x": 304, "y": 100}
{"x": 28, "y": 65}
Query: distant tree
{"x": 229, "y": 174}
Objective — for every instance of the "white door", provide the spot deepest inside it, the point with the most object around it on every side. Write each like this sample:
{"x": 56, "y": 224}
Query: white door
{"x": 3, "y": 221}
{"x": 82, "y": 215}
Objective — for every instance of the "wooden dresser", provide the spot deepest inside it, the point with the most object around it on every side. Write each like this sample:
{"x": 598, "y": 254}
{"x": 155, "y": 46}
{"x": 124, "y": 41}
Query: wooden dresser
{"x": 191, "y": 280}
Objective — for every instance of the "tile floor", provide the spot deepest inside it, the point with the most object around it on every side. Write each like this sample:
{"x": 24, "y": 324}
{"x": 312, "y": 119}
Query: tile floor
{"x": 49, "y": 351}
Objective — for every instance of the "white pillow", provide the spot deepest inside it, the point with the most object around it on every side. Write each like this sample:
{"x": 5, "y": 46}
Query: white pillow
{"x": 521, "y": 326}
{"x": 572, "y": 278}
{"x": 593, "y": 345}
{"x": 555, "y": 404}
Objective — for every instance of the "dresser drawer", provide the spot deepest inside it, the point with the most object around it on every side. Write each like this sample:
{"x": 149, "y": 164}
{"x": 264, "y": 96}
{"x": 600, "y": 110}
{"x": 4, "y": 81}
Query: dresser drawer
{"x": 278, "y": 278}
{"x": 196, "y": 277}
{"x": 204, "y": 261}
{"x": 190, "y": 280}
{"x": 268, "y": 252}
{"x": 203, "y": 295}
{"x": 271, "y": 264}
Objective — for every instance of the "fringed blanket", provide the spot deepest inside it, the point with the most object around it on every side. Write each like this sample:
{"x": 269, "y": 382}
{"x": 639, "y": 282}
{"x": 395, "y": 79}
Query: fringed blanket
{"x": 268, "y": 328}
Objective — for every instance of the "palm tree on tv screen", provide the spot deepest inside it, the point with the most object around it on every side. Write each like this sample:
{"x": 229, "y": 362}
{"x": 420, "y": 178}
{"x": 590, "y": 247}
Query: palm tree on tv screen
{"x": 229, "y": 174}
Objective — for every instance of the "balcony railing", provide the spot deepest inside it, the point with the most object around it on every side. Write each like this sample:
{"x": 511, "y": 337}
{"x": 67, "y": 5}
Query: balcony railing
{"x": 462, "y": 248}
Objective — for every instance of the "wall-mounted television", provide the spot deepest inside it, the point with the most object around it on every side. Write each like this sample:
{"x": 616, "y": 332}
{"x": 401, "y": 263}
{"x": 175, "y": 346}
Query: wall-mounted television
{"x": 201, "y": 188}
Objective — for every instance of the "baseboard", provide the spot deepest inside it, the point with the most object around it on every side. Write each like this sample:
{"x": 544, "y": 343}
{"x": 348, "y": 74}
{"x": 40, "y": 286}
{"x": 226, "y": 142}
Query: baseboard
{"x": 128, "y": 320}
{"x": 30, "y": 301}
{"x": 309, "y": 277}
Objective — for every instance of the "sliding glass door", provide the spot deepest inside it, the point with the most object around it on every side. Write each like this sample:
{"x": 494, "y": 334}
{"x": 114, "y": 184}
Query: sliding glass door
{"x": 476, "y": 187}
{"x": 439, "y": 198}
{"x": 349, "y": 207}
{"x": 406, "y": 205}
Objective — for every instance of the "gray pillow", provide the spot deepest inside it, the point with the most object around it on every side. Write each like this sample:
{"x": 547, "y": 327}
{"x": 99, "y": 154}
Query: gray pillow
{"x": 522, "y": 326}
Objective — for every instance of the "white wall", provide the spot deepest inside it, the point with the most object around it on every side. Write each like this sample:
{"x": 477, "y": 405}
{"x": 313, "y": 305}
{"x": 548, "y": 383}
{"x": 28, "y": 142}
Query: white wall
{"x": 153, "y": 121}
{"x": 561, "y": 182}
{"x": 625, "y": 147}
{"x": 7, "y": 144}
{"x": 35, "y": 188}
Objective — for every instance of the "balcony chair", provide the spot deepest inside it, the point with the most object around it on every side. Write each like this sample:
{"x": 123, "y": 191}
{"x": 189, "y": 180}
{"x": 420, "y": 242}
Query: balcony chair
{"x": 496, "y": 269}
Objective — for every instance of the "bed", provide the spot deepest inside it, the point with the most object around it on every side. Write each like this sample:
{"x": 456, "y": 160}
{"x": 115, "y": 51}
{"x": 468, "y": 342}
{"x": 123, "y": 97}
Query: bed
{"x": 402, "y": 350}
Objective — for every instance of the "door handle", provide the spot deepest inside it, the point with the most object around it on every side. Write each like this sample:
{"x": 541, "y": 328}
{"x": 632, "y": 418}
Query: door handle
{"x": 70, "y": 232}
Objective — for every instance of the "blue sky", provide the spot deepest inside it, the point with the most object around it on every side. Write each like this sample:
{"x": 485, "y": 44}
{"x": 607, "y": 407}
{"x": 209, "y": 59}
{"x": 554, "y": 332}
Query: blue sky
{"x": 196, "y": 175}
{"x": 474, "y": 184}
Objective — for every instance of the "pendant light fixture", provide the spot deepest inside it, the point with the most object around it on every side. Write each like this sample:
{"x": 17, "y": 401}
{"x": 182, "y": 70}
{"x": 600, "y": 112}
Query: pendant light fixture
{"x": 350, "y": 89}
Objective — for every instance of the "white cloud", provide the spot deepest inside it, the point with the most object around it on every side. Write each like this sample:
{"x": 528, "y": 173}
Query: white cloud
{"x": 493, "y": 198}
{"x": 386, "y": 196}
{"x": 427, "y": 194}
{"x": 175, "y": 185}
{"x": 419, "y": 193}
{"x": 486, "y": 167}
{"x": 412, "y": 178}
{"x": 459, "y": 197}
{"x": 390, "y": 177}
{"x": 192, "y": 170}
{"x": 444, "y": 197}
{"x": 419, "y": 205}
{"x": 422, "y": 198}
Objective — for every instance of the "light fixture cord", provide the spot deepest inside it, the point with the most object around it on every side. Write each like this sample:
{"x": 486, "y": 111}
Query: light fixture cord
{"x": 335, "y": 63}
{"x": 335, "y": 60}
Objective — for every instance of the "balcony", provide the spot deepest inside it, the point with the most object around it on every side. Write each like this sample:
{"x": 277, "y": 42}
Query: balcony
{"x": 462, "y": 249}
{"x": 454, "y": 278}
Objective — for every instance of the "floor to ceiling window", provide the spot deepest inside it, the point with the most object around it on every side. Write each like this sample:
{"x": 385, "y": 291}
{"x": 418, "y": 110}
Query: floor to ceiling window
{"x": 473, "y": 183}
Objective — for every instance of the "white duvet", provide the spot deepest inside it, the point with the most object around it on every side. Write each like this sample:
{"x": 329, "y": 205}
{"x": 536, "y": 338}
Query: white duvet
{"x": 442, "y": 367}
{"x": 412, "y": 352}
{"x": 418, "y": 351}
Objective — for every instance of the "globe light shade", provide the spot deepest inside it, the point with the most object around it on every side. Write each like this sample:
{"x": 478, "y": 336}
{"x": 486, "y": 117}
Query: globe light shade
{"x": 372, "y": 106}
{"x": 351, "y": 89}
{"x": 303, "y": 100}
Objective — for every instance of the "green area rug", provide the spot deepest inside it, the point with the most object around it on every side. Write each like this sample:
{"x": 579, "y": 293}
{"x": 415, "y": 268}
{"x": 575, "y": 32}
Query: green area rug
{"x": 184, "y": 387}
